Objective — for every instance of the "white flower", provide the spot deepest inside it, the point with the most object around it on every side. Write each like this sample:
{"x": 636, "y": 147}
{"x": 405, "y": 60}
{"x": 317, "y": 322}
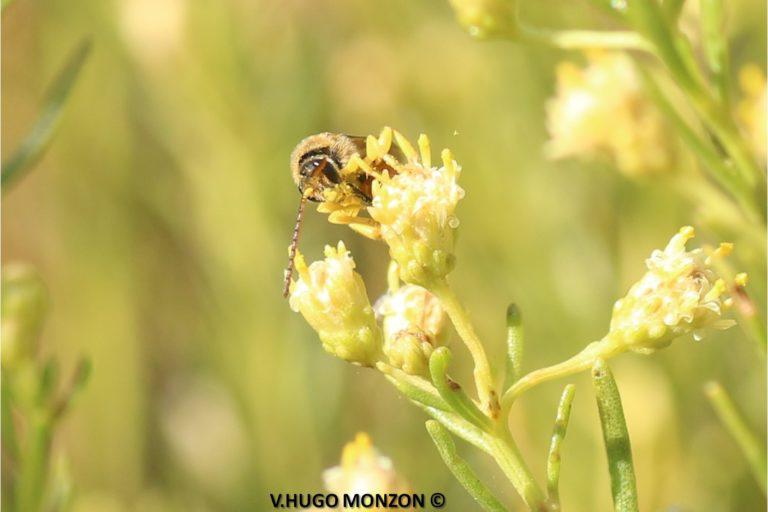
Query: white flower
{"x": 333, "y": 299}
{"x": 415, "y": 209}
{"x": 601, "y": 110}
{"x": 412, "y": 321}
{"x": 679, "y": 294}
{"x": 363, "y": 471}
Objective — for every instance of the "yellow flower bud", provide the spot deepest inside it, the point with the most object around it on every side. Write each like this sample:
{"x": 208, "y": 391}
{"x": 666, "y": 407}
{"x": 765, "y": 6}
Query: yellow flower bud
{"x": 601, "y": 110}
{"x": 412, "y": 321}
{"x": 415, "y": 210}
{"x": 363, "y": 471}
{"x": 679, "y": 294}
{"x": 333, "y": 299}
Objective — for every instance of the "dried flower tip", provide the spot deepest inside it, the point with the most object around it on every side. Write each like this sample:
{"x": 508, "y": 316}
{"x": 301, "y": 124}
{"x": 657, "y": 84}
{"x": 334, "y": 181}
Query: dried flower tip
{"x": 601, "y": 111}
{"x": 412, "y": 321}
{"x": 679, "y": 294}
{"x": 363, "y": 471}
{"x": 415, "y": 211}
{"x": 332, "y": 298}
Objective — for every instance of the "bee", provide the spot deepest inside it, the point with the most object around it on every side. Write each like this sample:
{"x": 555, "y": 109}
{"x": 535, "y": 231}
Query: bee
{"x": 337, "y": 171}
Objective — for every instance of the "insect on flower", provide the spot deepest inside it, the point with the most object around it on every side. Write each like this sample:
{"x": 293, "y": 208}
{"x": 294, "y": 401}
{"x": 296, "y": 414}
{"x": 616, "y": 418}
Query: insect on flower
{"x": 338, "y": 171}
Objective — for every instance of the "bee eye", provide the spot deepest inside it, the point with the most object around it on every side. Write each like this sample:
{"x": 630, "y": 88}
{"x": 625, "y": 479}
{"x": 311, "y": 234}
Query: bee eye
{"x": 309, "y": 167}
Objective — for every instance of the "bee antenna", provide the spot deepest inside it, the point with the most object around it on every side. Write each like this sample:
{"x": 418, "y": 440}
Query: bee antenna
{"x": 294, "y": 245}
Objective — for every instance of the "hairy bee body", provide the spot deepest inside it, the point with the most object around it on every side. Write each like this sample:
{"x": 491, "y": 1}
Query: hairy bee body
{"x": 321, "y": 171}
{"x": 338, "y": 171}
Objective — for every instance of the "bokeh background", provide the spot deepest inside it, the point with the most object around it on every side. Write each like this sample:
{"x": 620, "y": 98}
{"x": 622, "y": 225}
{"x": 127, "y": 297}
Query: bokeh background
{"x": 160, "y": 216}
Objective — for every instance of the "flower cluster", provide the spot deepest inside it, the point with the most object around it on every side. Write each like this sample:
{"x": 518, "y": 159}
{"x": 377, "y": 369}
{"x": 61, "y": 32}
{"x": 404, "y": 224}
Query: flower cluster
{"x": 412, "y": 320}
{"x": 333, "y": 299}
{"x": 601, "y": 110}
{"x": 680, "y": 293}
{"x": 415, "y": 209}
{"x": 363, "y": 470}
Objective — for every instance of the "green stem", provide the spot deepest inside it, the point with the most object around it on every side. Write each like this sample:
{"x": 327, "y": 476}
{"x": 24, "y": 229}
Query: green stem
{"x": 616, "y": 438}
{"x": 509, "y": 459}
{"x": 585, "y": 39}
{"x": 580, "y": 362}
{"x": 461, "y": 470}
{"x": 460, "y": 319}
{"x": 33, "y": 470}
{"x": 734, "y": 423}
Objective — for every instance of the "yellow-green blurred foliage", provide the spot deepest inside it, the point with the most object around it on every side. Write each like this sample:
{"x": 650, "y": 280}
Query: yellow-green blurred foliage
{"x": 160, "y": 216}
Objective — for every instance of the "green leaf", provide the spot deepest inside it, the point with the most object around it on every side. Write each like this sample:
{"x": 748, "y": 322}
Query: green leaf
{"x": 461, "y": 470}
{"x": 41, "y": 134}
{"x": 515, "y": 345}
{"x": 452, "y": 393}
{"x": 413, "y": 387}
{"x": 734, "y": 423}
{"x": 460, "y": 428}
{"x": 716, "y": 46}
{"x": 558, "y": 434}
{"x": 616, "y": 438}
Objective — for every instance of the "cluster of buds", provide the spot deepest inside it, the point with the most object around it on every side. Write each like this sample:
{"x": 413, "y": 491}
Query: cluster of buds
{"x": 601, "y": 110}
{"x": 412, "y": 320}
{"x": 413, "y": 208}
{"x": 333, "y": 299}
{"x": 681, "y": 293}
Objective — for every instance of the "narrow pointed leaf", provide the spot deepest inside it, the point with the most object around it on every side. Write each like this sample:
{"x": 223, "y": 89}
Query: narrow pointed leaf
{"x": 461, "y": 470}
{"x": 41, "y": 134}
{"x": 616, "y": 438}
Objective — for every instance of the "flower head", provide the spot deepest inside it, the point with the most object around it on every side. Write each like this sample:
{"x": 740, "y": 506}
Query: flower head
{"x": 415, "y": 211}
{"x": 412, "y": 321}
{"x": 332, "y": 298}
{"x": 601, "y": 110}
{"x": 752, "y": 108}
{"x": 679, "y": 294}
{"x": 363, "y": 471}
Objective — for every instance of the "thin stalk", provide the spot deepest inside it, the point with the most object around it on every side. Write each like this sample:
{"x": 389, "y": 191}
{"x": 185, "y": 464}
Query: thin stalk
{"x": 578, "y": 363}
{"x": 585, "y": 39}
{"x": 734, "y": 423}
{"x": 509, "y": 459}
{"x": 460, "y": 319}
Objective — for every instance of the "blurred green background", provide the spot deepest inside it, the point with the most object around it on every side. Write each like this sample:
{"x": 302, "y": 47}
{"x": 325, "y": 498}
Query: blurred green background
{"x": 160, "y": 216}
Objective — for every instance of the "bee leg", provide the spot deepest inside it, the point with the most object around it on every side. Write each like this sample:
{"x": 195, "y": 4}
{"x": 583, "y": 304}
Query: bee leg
{"x": 424, "y": 151}
{"x": 405, "y": 146}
